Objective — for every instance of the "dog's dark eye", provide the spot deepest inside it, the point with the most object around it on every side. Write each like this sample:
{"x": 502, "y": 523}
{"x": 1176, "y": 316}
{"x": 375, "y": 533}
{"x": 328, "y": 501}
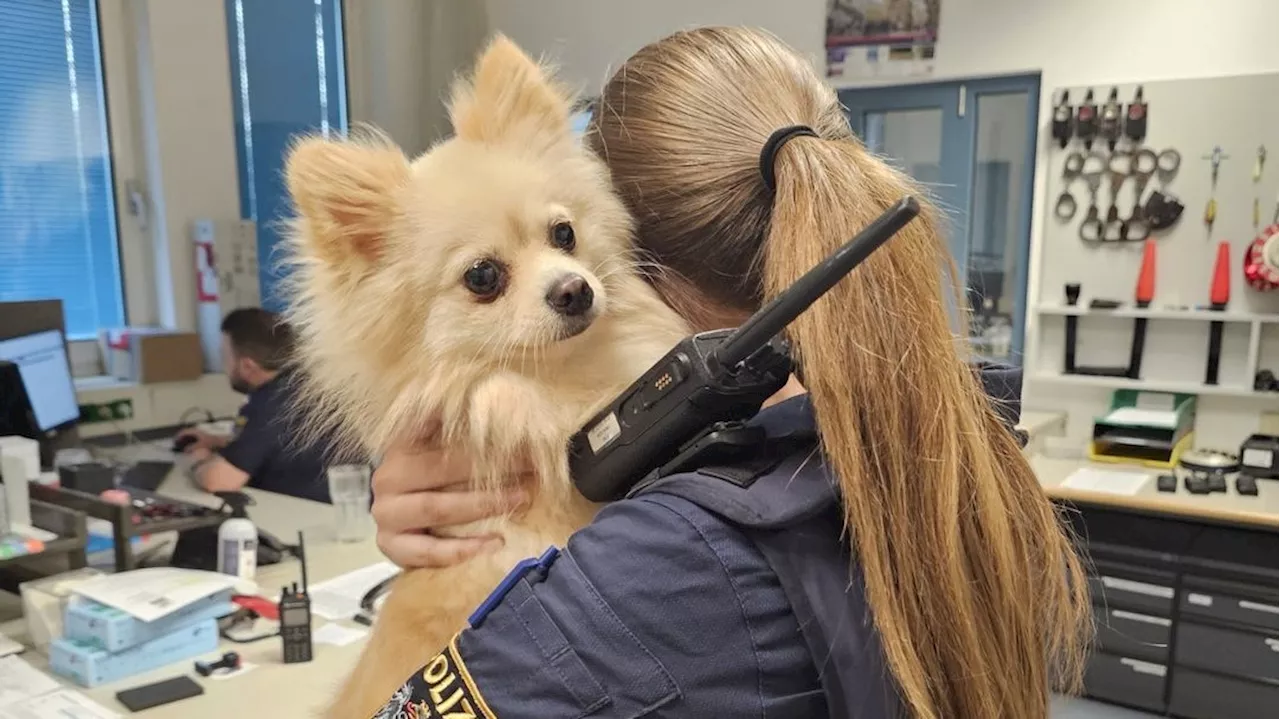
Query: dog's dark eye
{"x": 485, "y": 279}
{"x": 562, "y": 236}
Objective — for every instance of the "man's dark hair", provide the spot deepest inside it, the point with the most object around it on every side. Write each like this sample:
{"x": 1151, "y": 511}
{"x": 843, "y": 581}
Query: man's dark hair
{"x": 260, "y": 335}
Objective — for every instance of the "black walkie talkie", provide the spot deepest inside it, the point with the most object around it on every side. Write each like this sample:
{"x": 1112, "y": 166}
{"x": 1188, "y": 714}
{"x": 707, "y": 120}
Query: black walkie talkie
{"x": 295, "y": 615}
{"x": 691, "y": 404}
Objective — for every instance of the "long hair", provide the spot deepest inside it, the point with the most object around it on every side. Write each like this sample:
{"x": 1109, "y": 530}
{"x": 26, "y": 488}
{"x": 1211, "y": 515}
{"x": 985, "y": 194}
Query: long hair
{"x": 971, "y": 576}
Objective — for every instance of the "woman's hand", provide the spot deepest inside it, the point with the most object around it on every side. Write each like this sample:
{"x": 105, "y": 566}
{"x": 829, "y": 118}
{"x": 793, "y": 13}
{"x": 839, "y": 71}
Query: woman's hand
{"x": 417, "y": 492}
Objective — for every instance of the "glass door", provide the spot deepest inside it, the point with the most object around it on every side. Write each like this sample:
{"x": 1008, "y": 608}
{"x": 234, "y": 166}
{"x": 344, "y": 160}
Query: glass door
{"x": 972, "y": 144}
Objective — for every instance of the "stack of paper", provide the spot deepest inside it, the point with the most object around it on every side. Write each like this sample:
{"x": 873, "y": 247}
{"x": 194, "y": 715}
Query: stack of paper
{"x": 26, "y": 693}
{"x": 1107, "y": 482}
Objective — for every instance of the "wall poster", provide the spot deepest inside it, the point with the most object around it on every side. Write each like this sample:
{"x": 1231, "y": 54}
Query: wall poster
{"x": 881, "y": 38}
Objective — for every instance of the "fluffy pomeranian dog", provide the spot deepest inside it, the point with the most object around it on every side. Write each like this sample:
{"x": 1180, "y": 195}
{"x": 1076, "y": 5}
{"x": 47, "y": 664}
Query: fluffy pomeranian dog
{"x": 482, "y": 297}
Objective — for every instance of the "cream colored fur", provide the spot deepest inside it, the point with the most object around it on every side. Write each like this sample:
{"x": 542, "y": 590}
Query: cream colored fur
{"x": 394, "y": 347}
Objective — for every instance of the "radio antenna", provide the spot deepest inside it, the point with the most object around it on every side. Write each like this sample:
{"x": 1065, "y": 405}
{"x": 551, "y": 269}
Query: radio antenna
{"x": 761, "y": 327}
{"x": 302, "y": 558}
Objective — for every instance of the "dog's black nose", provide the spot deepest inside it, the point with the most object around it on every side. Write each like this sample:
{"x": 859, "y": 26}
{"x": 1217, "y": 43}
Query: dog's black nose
{"x": 570, "y": 295}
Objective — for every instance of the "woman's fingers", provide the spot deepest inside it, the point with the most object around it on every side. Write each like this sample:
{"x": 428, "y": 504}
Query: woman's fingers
{"x": 418, "y": 469}
{"x": 414, "y": 551}
{"x": 430, "y": 510}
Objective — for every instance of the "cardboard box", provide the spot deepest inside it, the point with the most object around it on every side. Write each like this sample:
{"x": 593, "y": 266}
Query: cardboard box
{"x": 115, "y": 630}
{"x": 45, "y": 600}
{"x": 89, "y": 665}
{"x": 147, "y": 355}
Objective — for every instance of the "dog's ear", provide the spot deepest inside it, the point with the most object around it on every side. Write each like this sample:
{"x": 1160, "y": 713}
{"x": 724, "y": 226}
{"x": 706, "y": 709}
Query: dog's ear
{"x": 511, "y": 99}
{"x": 344, "y": 194}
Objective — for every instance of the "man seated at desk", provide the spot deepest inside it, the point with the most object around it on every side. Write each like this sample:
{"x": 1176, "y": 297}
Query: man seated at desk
{"x": 264, "y": 453}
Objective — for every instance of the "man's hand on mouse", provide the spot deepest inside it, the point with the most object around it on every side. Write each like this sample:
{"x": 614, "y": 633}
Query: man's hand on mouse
{"x": 198, "y": 440}
{"x": 418, "y": 491}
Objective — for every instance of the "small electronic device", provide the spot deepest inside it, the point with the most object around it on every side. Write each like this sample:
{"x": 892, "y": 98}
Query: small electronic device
{"x": 88, "y": 477}
{"x": 1246, "y": 485}
{"x": 691, "y": 405}
{"x": 180, "y": 444}
{"x": 295, "y": 615}
{"x": 229, "y": 661}
{"x": 1260, "y": 456}
{"x": 1197, "y": 482}
{"x": 154, "y": 695}
{"x": 1167, "y": 483}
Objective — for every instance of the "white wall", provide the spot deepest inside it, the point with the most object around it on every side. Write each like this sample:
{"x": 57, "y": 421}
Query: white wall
{"x": 401, "y": 57}
{"x": 1072, "y": 43}
{"x": 589, "y": 38}
{"x": 402, "y": 53}
{"x": 1082, "y": 42}
{"x": 184, "y": 87}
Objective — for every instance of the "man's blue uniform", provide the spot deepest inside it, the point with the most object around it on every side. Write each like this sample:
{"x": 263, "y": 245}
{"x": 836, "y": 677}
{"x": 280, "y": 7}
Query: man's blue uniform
{"x": 268, "y": 447}
{"x": 721, "y": 593}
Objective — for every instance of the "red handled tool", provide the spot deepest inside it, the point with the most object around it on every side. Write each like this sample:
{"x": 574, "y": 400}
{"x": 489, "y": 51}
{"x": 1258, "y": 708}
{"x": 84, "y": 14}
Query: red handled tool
{"x": 1219, "y": 296}
{"x": 1142, "y": 296}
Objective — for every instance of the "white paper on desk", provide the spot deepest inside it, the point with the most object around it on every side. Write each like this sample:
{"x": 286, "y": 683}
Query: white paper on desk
{"x": 337, "y": 635}
{"x": 151, "y": 593}
{"x": 1107, "y": 482}
{"x": 61, "y": 704}
{"x": 20, "y": 681}
{"x": 339, "y": 598}
{"x": 8, "y": 646}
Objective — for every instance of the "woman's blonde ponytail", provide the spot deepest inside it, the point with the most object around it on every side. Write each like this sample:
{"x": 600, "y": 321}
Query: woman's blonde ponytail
{"x": 973, "y": 583}
{"x": 962, "y": 554}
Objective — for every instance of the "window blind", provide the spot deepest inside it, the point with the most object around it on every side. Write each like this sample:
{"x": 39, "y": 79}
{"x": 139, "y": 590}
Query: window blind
{"x": 288, "y": 79}
{"x": 57, "y": 214}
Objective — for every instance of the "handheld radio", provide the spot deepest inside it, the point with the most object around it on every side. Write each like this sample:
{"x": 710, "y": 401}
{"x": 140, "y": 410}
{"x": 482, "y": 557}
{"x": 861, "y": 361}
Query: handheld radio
{"x": 691, "y": 405}
{"x": 295, "y": 615}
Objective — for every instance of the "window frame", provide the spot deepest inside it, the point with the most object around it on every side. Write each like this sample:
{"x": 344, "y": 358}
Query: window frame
{"x": 117, "y": 57}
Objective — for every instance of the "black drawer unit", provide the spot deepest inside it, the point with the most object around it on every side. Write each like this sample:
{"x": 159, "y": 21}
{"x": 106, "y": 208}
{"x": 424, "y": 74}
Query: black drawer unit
{"x": 1247, "y": 655}
{"x": 1121, "y": 586}
{"x": 1130, "y": 634}
{"x": 1125, "y": 680}
{"x": 1198, "y": 695}
{"x": 1234, "y": 603}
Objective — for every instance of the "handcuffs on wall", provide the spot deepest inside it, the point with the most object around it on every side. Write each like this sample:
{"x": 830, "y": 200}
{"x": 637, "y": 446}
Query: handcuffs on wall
{"x": 1120, "y": 165}
{"x": 1091, "y": 169}
{"x": 1065, "y": 208}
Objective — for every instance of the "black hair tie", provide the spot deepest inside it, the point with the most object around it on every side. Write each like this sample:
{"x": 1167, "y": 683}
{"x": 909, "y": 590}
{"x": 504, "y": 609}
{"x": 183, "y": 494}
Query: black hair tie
{"x": 769, "y": 152}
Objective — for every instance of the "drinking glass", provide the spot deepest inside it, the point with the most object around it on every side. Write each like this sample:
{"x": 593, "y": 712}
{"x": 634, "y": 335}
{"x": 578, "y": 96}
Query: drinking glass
{"x": 350, "y": 493}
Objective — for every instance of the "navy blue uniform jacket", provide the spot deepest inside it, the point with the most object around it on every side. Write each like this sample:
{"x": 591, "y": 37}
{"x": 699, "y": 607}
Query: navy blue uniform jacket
{"x": 659, "y": 608}
{"x": 267, "y": 447}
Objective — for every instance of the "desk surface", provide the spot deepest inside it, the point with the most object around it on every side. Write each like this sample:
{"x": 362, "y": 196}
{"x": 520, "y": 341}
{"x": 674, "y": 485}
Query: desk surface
{"x": 276, "y": 689}
{"x": 271, "y": 688}
{"x": 1229, "y": 507}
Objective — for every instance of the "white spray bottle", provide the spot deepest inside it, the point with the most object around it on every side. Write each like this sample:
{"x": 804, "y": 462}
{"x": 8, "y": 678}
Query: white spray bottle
{"x": 237, "y": 538}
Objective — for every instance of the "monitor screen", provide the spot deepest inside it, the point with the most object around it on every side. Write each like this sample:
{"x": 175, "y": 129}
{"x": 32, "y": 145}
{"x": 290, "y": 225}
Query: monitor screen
{"x": 580, "y": 120}
{"x": 42, "y": 362}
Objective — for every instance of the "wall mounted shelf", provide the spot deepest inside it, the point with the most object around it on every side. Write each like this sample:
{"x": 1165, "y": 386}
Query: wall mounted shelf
{"x": 1155, "y": 385}
{"x": 1159, "y": 314}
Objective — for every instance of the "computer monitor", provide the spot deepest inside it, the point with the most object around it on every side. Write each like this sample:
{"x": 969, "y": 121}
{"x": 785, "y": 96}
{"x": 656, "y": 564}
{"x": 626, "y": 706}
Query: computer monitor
{"x": 579, "y": 121}
{"x": 42, "y": 363}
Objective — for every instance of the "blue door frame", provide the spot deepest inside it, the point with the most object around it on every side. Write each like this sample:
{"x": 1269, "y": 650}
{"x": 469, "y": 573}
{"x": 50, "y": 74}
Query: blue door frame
{"x": 958, "y": 103}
